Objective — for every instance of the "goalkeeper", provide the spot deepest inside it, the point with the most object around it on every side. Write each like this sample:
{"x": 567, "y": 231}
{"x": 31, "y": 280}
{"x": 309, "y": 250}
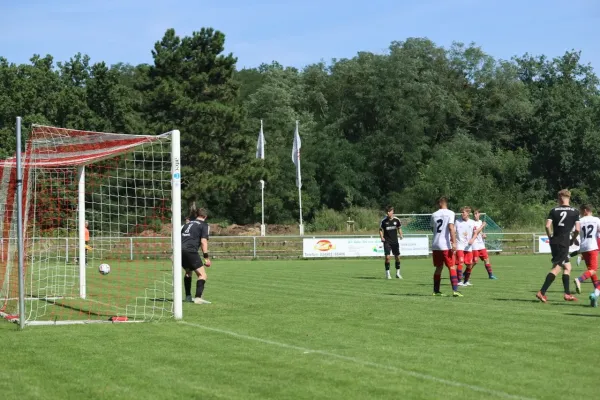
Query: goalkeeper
{"x": 194, "y": 235}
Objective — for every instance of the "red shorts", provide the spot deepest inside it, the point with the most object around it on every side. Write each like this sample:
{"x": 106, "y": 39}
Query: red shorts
{"x": 441, "y": 257}
{"x": 482, "y": 254}
{"x": 591, "y": 259}
{"x": 464, "y": 257}
{"x": 598, "y": 241}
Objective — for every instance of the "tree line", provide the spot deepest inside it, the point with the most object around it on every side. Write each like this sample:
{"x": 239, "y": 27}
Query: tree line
{"x": 400, "y": 128}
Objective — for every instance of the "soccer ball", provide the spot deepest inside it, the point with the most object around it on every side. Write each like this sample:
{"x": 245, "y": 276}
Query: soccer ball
{"x": 104, "y": 269}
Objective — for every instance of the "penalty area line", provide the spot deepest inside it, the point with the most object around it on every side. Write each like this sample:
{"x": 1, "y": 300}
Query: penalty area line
{"x": 354, "y": 360}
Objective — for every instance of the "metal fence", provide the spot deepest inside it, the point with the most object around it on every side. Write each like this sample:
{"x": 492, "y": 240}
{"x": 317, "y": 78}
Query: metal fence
{"x": 236, "y": 247}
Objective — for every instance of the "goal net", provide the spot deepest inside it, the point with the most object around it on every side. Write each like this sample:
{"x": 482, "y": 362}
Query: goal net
{"x": 92, "y": 198}
{"x": 421, "y": 223}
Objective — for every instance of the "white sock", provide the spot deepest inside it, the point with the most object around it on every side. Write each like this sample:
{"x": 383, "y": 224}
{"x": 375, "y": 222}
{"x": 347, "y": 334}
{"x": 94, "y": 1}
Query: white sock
{"x": 596, "y": 292}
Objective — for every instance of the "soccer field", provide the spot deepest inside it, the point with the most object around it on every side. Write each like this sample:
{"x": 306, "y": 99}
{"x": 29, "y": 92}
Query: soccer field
{"x": 326, "y": 329}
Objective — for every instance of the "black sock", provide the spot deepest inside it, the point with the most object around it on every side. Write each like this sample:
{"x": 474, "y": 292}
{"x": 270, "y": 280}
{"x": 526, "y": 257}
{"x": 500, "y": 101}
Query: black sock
{"x": 398, "y": 266}
{"x": 467, "y": 275}
{"x": 573, "y": 254}
{"x": 187, "y": 283}
{"x": 387, "y": 266}
{"x": 549, "y": 279}
{"x": 200, "y": 287}
{"x": 566, "y": 279}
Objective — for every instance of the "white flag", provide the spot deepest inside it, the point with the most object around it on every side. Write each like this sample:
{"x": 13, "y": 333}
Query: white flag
{"x": 296, "y": 156}
{"x": 260, "y": 145}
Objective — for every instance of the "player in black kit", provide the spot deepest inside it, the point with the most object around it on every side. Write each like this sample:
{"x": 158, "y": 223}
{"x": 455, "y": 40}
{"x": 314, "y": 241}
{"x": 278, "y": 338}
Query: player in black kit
{"x": 194, "y": 234}
{"x": 390, "y": 230}
{"x": 562, "y": 219}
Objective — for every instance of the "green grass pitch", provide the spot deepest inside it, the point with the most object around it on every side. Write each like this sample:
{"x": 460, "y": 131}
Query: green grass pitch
{"x": 326, "y": 329}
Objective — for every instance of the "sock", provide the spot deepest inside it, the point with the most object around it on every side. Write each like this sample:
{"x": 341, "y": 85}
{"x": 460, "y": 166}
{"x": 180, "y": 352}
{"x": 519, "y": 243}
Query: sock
{"x": 584, "y": 276}
{"x": 387, "y": 266}
{"x": 597, "y": 292}
{"x": 549, "y": 279}
{"x": 200, "y": 287}
{"x": 573, "y": 254}
{"x": 595, "y": 281}
{"x": 187, "y": 283}
{"x": 459, "y": 272}
{"x": 566, "y": 280}
{"x": 398, "y": 266}
{"x": 488, "y": 267}
{"x": 468, "y": 274}
{"x": 437, "y": 279}
{"x": 454, "y": 279}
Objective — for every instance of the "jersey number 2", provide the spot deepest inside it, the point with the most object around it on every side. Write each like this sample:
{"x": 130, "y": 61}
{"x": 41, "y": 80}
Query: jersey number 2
{"x": 563, "y": 215}
{"x": 439, "y": 222}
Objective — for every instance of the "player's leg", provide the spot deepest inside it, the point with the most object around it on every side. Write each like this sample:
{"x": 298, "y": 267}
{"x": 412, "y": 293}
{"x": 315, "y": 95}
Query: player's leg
{"x": 587, "y": 257}
{"x": 187, "y": 279}
{"x": 200, "y": 283}
{"x": 449, "y": 261}
{"x": 460, "y": 259}
{"x": 468, "y": 259}
{"x": 387, "y": 249}
{"x": 483, "y": 254}
{"x": 557, "y": 262}
{"x": 566, "y": 278}
{"x": 438, "y": 263}
{"x": 396, "y": 252}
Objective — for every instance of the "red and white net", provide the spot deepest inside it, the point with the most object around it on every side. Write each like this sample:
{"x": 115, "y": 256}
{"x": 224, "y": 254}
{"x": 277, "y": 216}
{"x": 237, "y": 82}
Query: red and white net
{"x": 128, "y": 210}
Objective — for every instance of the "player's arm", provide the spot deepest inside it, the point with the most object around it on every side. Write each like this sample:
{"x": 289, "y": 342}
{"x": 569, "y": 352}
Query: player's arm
{"x": 400, "y": 234}
{"x": 575, "y": 233}
{"x": 476, "y": 233}
{"x": 204, "y": 247}
{"x": 381, "y": 232}
{"x": 548, "y": 226}
{"x": 452, "y": 235}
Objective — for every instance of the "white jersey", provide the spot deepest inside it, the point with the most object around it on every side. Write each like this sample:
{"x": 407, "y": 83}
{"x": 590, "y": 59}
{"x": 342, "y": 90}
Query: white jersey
{"x": 589, "y": 232}
{"x": 479, "y": 243}
{"x": 464, "y": 233}
{"x": 440, "y": 221}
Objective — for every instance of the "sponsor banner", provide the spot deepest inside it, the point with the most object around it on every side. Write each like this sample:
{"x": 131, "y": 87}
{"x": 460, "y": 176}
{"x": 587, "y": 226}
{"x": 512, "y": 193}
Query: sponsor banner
{"x": 544, "y": 245}
{"x": 362, "y": 247}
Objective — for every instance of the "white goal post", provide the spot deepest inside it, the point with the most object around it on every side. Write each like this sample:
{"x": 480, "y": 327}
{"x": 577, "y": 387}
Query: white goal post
{"x": 121, "y": 186}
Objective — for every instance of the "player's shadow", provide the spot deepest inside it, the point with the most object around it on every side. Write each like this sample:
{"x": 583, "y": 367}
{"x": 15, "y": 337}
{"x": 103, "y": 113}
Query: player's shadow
{"x": 536, "y": 301}
{"x": 583, "y": 315}
{"x": 408, "y": 294}
{"x": 365, "y": 277}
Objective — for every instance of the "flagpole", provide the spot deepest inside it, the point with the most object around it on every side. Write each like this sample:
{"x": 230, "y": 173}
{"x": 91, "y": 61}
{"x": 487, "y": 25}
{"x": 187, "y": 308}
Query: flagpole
{"x": 261, "y": 147}
{"x": 299, "y": 188}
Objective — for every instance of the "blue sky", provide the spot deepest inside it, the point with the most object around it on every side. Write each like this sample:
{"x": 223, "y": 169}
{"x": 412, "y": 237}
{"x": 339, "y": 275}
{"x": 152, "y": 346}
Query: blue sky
{"x": 296, "y": 32}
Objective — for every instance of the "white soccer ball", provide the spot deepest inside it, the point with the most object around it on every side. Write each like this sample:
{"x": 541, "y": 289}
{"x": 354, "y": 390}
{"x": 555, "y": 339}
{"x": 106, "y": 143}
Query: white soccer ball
{"x": 104, "y": 269}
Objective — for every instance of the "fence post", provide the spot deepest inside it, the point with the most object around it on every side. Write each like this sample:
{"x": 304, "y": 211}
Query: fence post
{"x": 131, "y": 249}
{"x": 67, "y": 250}
{"x": 533, "y": 243}
{"x": 254, "y": 252}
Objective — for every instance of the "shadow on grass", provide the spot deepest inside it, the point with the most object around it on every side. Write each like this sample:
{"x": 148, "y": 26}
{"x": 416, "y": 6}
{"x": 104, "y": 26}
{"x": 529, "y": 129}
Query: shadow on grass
{"x": 365, "y": 277}
{"x": 409, "y": 294}
{"x": 550, "y": 302}
{"x": 583, "y": 315}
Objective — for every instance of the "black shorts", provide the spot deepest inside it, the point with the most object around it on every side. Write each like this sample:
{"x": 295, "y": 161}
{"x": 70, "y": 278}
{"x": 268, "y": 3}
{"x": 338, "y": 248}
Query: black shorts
{"x": 393, "y": 248}
{"x": 190, "y": 261}
{"x": 560, "y": 254}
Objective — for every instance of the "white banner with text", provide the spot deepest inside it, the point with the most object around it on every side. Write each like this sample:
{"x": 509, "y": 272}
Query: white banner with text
{"x": 362, "y": 247}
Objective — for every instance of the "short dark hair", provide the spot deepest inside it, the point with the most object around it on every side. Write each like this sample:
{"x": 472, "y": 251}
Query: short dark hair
{"x": 389, "y": 208}
{"x": 476, "y": 210}
{"x": 585, "y": 207}
{"x": 442, "y": 200}
{"x": 197, "y": 212}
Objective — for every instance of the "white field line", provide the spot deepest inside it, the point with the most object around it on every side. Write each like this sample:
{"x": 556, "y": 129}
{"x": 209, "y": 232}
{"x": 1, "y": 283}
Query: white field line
{"x": 354, "y": 360}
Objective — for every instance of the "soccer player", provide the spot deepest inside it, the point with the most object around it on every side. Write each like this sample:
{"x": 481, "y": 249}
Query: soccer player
{"x": 465, "y": 236}
{"x": 390, "y": 230}
{"x": 561, "y": 219}
{"x": 588, "y": 246}
{"x": 194, "y": 235}
{"x": 86, "y": 234}
{"x": 444, "y": 245}
{"x": 479, "y": 250}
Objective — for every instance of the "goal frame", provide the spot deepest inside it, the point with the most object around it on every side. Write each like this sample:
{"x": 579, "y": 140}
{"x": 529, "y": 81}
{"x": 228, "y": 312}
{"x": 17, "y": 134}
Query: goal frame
{"x": 175, "y": 175}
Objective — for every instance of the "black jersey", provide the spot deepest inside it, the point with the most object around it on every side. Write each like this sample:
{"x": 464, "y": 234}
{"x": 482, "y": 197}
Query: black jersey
{"x": 191, "y": 233}
{"x": 563, "y": 220}
{"x": 390, "y": 227}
